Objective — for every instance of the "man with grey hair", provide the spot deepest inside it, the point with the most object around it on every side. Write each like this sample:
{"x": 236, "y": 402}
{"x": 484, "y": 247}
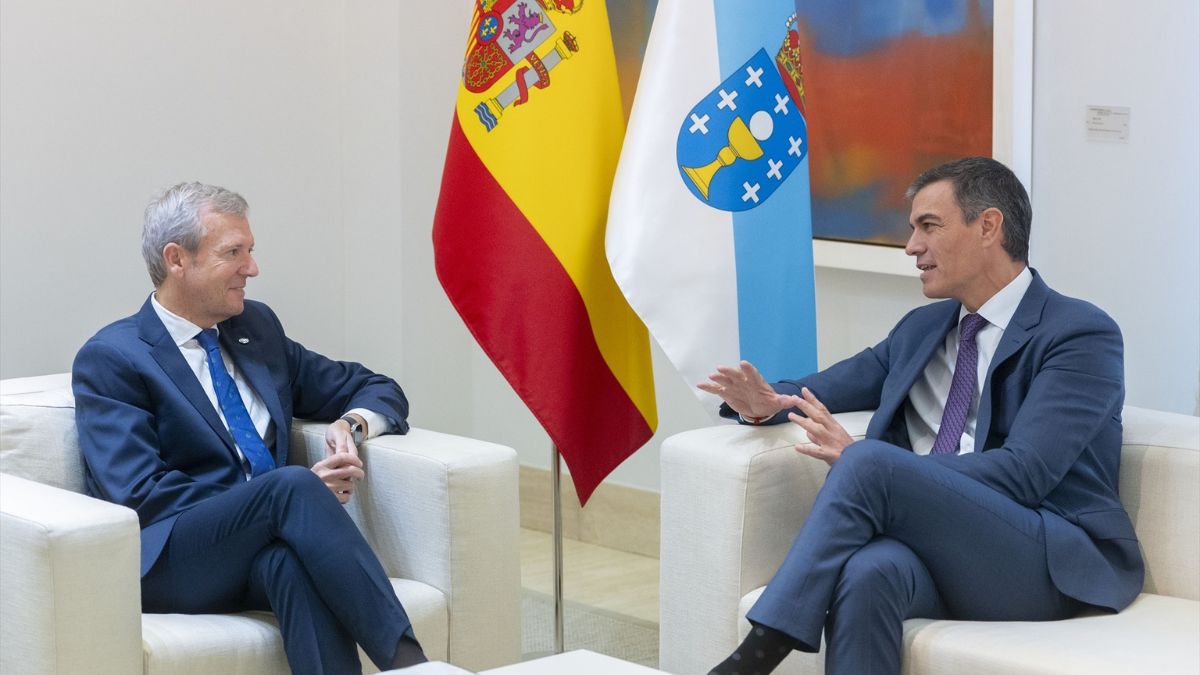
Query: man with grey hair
{"x": 183, "y": 411}
{"x": 986, "y": 487}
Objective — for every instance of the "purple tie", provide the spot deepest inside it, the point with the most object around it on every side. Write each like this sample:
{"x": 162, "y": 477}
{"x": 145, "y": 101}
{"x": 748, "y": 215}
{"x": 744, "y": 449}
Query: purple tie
{"x": 962, "y": 389}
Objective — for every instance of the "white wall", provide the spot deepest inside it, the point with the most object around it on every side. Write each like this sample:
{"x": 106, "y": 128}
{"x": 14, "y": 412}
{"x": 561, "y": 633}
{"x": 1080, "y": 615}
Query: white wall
{"x": 101, "y": 104}
{"x": 332, "y": 118}
{"x": 1119, "y": 223}
{"x": 439, "y": 371}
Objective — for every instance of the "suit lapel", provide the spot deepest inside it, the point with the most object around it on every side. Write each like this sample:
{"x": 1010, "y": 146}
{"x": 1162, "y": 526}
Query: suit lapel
{"x": 1016, "y": 334}
{"x": 166, "y": 353}
{"x": 896, "y": 393}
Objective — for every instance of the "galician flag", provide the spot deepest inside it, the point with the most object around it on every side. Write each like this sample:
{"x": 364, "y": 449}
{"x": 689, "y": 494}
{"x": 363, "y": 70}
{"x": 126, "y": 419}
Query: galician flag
{"x": 519, "y": 230}
{"x": 709, "y": 226}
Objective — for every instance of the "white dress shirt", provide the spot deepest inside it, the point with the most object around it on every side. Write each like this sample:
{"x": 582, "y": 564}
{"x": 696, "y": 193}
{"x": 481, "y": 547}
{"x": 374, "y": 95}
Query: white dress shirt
{"x": 184, "y": 333}
{"x": 927, "y": 398}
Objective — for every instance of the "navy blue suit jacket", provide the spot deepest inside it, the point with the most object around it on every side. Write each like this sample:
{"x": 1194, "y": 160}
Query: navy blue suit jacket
{"x": 153, "y": 441}
{"x": 1048, "y": 434}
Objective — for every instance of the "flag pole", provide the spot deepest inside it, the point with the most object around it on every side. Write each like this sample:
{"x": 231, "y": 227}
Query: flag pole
{"x": 557, "y": 536}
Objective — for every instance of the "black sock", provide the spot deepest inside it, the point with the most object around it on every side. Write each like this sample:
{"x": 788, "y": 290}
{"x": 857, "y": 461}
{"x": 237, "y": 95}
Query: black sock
{"x": 408, "y": 653}
{"x": 762, "y": 650}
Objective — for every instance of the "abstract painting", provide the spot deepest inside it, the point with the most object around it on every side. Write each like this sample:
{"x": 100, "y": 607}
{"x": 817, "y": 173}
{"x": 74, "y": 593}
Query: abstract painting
{"x": 893, "y": 87}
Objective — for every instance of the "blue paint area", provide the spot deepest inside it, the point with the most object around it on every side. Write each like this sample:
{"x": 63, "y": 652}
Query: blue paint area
{"x": 858, "y": 216}
{"x": 852, "y": 27}
{"x": 773, "y": 241}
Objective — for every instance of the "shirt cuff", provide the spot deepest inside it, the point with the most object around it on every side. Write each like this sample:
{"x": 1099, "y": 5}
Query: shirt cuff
{"x": 377, "y": 424}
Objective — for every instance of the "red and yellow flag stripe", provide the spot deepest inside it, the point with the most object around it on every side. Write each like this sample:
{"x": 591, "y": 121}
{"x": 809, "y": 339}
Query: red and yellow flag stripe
{"x": 519, "y": 249}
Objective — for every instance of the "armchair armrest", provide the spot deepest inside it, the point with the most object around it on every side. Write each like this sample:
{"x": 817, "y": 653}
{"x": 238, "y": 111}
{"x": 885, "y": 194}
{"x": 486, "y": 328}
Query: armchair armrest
{"x": 443, "y": 510}
{"x": 733, "y": 498}
{"x": 70, "y": 596}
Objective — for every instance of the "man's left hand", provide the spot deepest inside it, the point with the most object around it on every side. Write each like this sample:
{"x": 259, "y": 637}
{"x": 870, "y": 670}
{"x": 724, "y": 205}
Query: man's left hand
{"x": 828, "y": 437}
{"x": 339, "y": 439}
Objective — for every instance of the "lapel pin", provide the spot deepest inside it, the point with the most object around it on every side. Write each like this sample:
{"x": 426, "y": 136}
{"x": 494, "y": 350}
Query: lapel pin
{"x": 244, "y": 341}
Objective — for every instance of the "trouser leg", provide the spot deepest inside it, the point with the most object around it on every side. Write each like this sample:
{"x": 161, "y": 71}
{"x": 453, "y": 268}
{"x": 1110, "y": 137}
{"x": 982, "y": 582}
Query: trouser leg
{"x": 882, "y": 584}
{"x": 985, "y": 553}
{"x": 314, "y": 640}
{"x": 206, "y": 565}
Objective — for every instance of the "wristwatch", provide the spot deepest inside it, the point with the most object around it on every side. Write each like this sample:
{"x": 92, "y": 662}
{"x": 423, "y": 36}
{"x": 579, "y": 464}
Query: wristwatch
{"x": 356, "y": 428}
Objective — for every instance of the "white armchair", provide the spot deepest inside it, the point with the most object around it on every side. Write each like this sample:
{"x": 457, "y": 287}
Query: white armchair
{"x": 733, "y": 498}
{"x": 440, "y": 511}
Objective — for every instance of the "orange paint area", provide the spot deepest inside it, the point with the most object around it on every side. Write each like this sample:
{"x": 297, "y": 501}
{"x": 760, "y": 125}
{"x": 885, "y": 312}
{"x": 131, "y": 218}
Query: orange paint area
{"x": 879, "y": 119}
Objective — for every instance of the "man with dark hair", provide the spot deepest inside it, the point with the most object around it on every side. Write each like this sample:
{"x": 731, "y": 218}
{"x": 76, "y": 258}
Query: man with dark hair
{"x": 986, "y": 487}
{"x": 184, "y": 411}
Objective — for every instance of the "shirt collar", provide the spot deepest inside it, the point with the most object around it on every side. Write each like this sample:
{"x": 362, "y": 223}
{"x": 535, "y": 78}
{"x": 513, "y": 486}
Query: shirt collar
{"x": 999, "y": 308}
{"x": 180, "y": 329}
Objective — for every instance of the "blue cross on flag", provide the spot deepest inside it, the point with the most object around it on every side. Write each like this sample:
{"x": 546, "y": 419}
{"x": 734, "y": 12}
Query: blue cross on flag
{"x": 742, "y": 140}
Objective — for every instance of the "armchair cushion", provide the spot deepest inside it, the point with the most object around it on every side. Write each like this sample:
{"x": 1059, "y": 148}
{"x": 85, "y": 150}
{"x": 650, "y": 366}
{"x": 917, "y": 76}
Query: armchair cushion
{"x": 39, "y": 440}
{"x": 248, "y": 643}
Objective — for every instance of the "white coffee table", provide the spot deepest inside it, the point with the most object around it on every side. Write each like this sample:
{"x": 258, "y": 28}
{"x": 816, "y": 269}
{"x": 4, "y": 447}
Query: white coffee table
{"x": 578, "y": 662}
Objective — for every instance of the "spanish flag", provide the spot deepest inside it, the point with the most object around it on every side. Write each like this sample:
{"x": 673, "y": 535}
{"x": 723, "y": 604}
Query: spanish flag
{"x": 519, "y": 230}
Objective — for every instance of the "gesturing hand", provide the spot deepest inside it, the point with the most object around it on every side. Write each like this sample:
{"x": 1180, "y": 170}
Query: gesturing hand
{"x": 339, "y": 471}
{"x": 745, "y": 390}
{"x": 828, "y": 437}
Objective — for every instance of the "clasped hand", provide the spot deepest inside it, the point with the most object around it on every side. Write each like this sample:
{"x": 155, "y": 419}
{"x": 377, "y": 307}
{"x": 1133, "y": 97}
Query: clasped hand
{"x": 342, "y": 467}
{"x": 748, "y": 393}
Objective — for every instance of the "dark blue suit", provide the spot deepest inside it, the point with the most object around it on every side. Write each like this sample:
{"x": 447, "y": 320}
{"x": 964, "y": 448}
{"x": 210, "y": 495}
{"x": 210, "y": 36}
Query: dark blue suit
{"x": 1021, "y": 529}
{"x": 152, "y": 441}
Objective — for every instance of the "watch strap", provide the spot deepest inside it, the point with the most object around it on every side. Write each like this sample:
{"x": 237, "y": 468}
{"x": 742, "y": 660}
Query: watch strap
{"x": 356, "y": 427}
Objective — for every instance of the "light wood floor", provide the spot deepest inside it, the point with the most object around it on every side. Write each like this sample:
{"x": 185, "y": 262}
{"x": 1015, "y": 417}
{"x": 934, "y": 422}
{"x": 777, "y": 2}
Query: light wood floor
{"x": 616, "y": 581}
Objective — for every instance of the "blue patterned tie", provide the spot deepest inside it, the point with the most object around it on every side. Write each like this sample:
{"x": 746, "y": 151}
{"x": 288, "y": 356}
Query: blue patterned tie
{"x": 236, "y": 416}
{"x": 962, "y": 388}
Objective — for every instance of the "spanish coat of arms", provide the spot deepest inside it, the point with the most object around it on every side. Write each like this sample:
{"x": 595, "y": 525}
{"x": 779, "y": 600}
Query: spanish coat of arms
{"x": 505, "y": 37}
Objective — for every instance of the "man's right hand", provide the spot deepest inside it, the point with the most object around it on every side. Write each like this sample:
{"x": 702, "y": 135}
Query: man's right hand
{"x": 339, "y": 472}
{"x": 745, "y": 390}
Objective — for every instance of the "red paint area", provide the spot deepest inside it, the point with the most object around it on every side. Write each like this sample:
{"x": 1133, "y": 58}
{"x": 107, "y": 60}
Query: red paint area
{"x": 883, "y": 117}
